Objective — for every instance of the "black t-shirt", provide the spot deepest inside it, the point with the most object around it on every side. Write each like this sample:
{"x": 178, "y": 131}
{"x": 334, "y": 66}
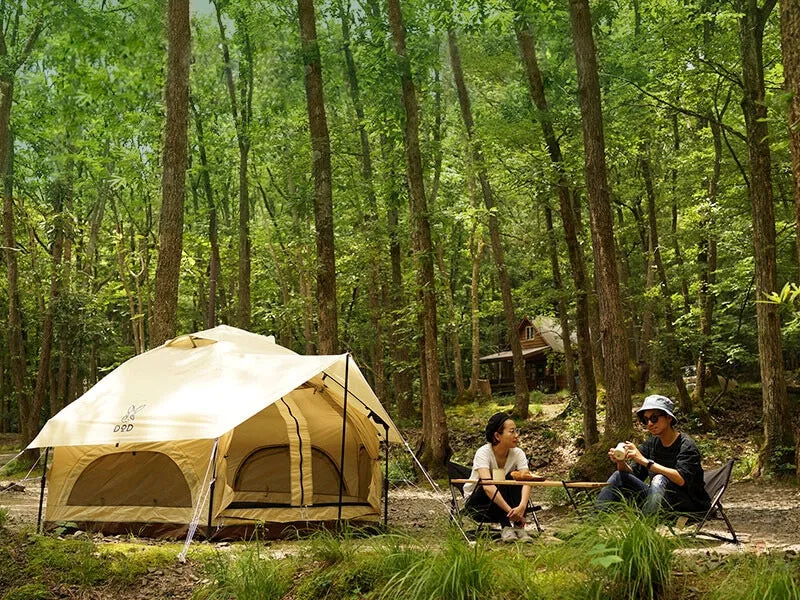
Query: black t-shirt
{"x": 683, "y": 456}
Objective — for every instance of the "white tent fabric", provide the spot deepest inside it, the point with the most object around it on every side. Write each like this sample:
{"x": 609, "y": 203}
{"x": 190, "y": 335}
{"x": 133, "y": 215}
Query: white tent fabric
{"x": 201, "y": 386}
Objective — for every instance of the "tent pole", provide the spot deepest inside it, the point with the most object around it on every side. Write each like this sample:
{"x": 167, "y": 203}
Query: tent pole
{"x": 211, "y": 492}
{"x": 344, "y": 431}
{"x": 41, "y": 490}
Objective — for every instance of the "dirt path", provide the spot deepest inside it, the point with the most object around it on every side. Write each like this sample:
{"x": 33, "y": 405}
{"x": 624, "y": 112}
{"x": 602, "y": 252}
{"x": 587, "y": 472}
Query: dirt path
{"x": 766, "y": 516}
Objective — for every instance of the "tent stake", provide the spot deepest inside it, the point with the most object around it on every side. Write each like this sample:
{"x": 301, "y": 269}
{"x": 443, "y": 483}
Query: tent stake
{"x": 41, "y": 491}
{"x": 344, "y": 431}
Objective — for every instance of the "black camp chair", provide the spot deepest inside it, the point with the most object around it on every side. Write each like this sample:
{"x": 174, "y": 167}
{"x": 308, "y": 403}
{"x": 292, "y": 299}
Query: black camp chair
{"x": 716, "y": 482}
{"x": 457, "y": 509}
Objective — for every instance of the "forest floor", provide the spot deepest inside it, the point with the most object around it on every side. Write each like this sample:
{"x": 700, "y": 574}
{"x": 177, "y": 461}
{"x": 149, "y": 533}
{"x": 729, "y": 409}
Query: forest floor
{"x": 764, "y": 513}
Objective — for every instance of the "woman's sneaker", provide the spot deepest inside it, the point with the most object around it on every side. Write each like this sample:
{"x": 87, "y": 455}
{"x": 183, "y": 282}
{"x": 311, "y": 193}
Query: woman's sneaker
{"x": 508, "y": 534}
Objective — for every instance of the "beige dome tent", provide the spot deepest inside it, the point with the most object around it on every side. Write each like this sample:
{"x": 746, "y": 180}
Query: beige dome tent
{"x": 224, "y": 428}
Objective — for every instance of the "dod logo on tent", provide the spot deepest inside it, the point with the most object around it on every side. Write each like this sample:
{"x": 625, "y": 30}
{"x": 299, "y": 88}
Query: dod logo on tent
{"x": 222, "y": 428}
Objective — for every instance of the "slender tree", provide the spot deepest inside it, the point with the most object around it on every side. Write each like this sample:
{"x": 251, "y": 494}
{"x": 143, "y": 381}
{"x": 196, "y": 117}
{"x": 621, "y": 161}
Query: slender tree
{"x": 321, "y": 168}
{"x": 521, "y": 397}
{"x": 12, "y": 58}
{"x": 371, "y": 215}
{"x": 777, "y": 450}
{"x": 614, "y": 344}
{"x": 173, "y": 179}
{"x": 242, "y": 113}
{"x": 437, "y": 445}
{"x": 790, "y": 47}
{"x": 587, "y": 387}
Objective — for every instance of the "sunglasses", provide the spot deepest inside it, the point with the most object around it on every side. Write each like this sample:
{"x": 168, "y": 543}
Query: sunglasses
{"x": 652, "y": 418}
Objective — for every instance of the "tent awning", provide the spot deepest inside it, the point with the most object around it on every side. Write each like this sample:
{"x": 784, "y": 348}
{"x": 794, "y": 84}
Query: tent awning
{"x": 200, "y": 387}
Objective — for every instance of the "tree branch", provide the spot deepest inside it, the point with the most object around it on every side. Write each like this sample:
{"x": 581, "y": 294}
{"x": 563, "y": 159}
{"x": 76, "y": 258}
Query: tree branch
{"x": 680, "y": 109}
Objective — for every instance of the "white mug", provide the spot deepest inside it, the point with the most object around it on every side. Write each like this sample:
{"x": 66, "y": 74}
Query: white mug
{"x": 620, "y": 451}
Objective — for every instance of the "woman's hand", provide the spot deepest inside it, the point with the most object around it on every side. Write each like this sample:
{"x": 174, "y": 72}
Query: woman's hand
{"x": 517, "y": 514}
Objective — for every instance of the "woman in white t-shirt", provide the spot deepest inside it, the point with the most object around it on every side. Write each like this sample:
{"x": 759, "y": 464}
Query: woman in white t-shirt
{"x": 504, "y": 504}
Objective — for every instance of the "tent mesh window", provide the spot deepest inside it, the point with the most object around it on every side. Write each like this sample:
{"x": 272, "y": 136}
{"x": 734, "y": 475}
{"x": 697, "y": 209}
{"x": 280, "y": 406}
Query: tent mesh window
{"x": 131, "y": 479}
{"x": 268, "y": 471}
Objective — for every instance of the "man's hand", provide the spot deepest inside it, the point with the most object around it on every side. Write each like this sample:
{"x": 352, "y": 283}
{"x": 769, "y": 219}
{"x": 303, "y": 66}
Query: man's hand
{"x": 634, "y": 454}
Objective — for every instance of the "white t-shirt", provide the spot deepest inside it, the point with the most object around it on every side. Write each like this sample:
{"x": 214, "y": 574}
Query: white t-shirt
{"x": 485, "y": 459}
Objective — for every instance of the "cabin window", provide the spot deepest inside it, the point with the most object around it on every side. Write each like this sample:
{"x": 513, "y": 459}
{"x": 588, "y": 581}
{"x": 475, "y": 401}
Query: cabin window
{"x": 530, "y": 332}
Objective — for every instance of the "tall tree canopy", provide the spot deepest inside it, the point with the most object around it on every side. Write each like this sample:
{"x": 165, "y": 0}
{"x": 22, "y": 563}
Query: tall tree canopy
{"x": 647, "y": 200}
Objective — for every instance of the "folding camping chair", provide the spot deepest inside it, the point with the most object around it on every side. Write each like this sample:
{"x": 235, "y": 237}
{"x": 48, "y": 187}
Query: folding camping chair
{"x": 716, "y": 482}
{"x": 457, "y": 508}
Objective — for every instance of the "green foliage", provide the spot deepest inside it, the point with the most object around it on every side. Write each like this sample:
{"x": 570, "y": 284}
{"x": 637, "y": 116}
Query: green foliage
{"x": 760, "y": 578}
{"x": 459, "y": 571}
{"x": 246, "y": 575}
{"x": 329, "y": 547}
{"x": 28, "y": 591}
{"x": 4, "y": 516}
{"x": 632, "y": 558}
{"x": 15, "y": 468}
{"x": 401, "y": 470}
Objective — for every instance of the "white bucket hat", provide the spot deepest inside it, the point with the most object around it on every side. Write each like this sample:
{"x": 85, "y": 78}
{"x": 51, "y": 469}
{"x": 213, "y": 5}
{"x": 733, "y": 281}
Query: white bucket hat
{"x": 658, "y": 402}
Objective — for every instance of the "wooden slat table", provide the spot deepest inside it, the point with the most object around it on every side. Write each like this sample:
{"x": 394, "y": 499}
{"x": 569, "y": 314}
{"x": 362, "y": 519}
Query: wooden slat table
{"x": 567, "y": 485}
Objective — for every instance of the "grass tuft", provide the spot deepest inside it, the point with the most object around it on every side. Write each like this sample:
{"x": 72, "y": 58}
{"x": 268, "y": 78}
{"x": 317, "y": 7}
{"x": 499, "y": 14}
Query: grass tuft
{"x": 246, "y": 576}
{"x": 760, "y": 578}
{"x": 460, "y": 571}
{"x": 629, "y": 556}
{"x": 330, "y": 547}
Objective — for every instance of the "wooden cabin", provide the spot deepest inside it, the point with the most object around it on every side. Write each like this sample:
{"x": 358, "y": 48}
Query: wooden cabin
{"x": 543, "y": 350}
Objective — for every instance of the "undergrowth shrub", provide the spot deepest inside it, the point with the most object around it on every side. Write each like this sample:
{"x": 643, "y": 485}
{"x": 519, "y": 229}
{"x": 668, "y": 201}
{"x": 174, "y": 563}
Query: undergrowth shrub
{"x": 246, "y": 575}
{"x": 459, "y": 571}
{"x": 630, "y": 557}
{"x": 330, "y": 547}
{"x": 4, "y": 516}
{"x": 401, "y": 470}
{"x": 760, "y": 578}
{"x": 551, "y": 571}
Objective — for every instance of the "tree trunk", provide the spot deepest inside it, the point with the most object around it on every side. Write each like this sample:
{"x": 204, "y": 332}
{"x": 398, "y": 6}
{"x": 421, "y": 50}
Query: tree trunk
{"x": 778, "y": 435}
{"x": 241, "y": 120}
{"x": 371, "y": 217}
{"x": 321, "y": 169}
{"x": 521, "y": 396}
{"x": 45, "y": 352}
{"x": 676, "y": 146}
{"x": 476, "y": 251}
{"x": 707, "y": 259}
{"x": 790, "y": 34}
{"x": 561, "y": 304}
{"x": 437, "y": 447}
{"x": 587, "y": 390}
{"x": 16, "y": 344}
{"x": 618, "y": 423}
{"x": 673, "y": 351}
{"x": 213, "y": 235}
{"x": 62, "y": 393}
{"x": 401, "y": 377}
{"x": 173, "y": 180}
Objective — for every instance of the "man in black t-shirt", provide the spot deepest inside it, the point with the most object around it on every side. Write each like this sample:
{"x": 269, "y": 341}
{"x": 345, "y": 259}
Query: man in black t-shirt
{"x": 669, "y": 458}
